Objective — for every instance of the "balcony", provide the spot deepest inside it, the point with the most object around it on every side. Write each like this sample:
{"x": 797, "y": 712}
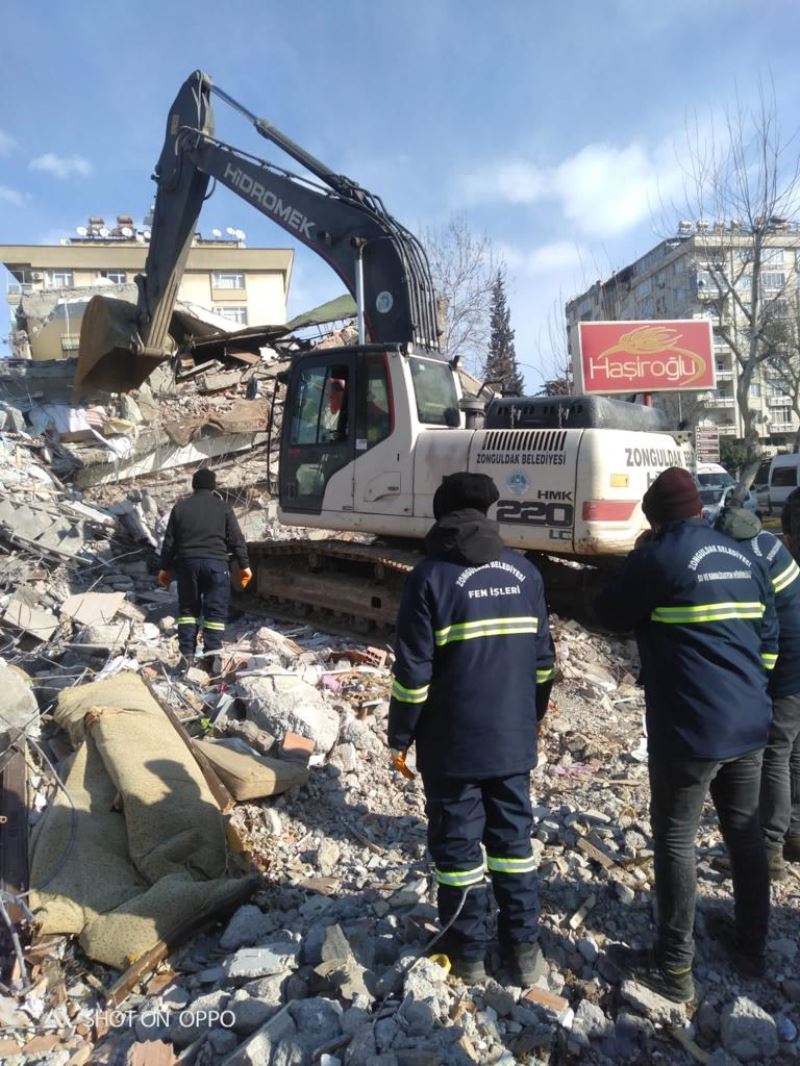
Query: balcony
{"x": 724, "y": 375}
{"x": 720, "y": 401}
{"x": 781, "y": 427}
{"x": 779, "y": 401}
{"x": 727, "y": 431}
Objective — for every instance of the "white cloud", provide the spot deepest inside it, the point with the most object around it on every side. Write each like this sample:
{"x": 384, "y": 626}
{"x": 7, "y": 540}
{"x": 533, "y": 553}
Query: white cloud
{"x": 603, "y": 189}
{"x": 62, "y": 166}
{"x": 558, "y": 257}
{"x": 10, "y": 196}
{"x": 7, "y": 143}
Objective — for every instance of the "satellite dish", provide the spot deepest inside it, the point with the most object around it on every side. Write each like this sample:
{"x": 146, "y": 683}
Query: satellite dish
{"x": 140, "y": 238}
{"x": 127, "y": 231}
{"x": 103, "y": 231}
{"x": 231, "y": 232}
{"x": 82, "y": 231}
{"x": 216, "y": 233}
{"x": 146, "y": 234}
{"x": 240, "y": 234}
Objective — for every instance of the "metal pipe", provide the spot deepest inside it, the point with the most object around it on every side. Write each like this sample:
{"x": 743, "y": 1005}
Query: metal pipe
{"x": 358, "y": 247}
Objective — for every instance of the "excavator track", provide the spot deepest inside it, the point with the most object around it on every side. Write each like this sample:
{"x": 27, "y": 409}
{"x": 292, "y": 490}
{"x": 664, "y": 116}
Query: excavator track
{"x": 346, "y": 586}
{"x": 332, "y": 583}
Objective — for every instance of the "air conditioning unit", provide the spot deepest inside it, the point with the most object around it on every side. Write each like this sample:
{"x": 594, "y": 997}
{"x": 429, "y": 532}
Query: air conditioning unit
{"x": 37, "y": 275}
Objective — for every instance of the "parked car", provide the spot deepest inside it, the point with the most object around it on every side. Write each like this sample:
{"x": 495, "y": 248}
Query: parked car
{"x": 714, "y": 499}
{"x": 712, "y": 475}
{"x": 783, "y": 479}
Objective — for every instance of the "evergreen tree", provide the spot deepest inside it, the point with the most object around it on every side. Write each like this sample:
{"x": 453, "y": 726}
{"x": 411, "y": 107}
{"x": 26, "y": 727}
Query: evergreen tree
{"x": 501, "y": 362}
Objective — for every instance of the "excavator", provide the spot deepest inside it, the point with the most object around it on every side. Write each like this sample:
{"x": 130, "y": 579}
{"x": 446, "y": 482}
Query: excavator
{"x": 368, "y": 430}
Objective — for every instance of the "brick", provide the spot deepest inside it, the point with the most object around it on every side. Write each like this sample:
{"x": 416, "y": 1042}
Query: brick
{"x": 546, "y": 999}
{"x": 297, "y": 748}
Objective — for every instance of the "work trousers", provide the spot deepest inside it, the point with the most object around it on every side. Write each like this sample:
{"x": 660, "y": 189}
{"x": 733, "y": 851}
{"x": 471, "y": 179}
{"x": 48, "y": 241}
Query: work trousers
{"x": 204, "y": 589}
{"x": 780, "y": 778}
{"x": 678, "y": 790}
{"x": 495, "y": 813}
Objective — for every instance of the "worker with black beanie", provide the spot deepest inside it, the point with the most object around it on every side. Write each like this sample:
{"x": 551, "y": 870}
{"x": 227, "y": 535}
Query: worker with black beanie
{"x": 472, "y": 676}
{"x": 202, "y": 533}
{"x": 702, "y": 608}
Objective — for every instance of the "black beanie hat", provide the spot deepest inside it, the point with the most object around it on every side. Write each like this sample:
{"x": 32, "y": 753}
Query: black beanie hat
{"x": 672, "y": 495}
{"x": 204, "y": 479}
{"x": 458, "y": 492}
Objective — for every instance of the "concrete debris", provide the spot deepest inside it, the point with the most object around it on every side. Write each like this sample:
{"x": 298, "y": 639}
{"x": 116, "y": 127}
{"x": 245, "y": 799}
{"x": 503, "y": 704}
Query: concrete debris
{"x": 321, "y": 964}
{"x": 748, "y": 1032}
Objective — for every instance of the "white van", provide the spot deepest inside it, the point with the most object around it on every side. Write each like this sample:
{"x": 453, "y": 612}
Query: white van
{"x": 783, "y": 479}
{"x": 713, "y": 476}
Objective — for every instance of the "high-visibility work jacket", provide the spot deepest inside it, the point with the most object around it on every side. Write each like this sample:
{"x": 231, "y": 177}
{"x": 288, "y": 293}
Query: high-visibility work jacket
{"x": 703, "y": 610}
{"x": 472, "y": 644}
{"x": 784, "y": 573}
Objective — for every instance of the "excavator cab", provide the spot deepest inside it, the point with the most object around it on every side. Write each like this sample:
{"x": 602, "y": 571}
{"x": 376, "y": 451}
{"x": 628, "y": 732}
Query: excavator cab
{"x": 338, "y": 406}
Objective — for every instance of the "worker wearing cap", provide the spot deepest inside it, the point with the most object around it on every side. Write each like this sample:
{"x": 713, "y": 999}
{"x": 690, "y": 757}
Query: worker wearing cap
{"x": 703, "y": 611}
{"x": 780, "y": 777}
{"x": 473, "y": 672}
{"x": 202, "y": 533}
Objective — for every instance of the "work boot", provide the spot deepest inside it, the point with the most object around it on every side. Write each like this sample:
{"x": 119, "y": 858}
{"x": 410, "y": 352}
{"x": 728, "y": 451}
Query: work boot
{"x": 470, "y": 971}
{"x": 775, "y": 864}
{"x": 643, "y": 967}
{"x": 791, "y": 849}
{"x": 526, "y": 963}
{"x": 722, "y": 928}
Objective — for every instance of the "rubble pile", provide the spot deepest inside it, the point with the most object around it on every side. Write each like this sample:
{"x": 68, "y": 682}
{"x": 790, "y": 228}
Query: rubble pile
{"x": 320, "y": 954}
{"x": 324, "y": 963}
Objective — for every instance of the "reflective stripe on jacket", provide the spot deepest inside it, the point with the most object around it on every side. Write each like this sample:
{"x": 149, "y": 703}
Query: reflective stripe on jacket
{"x": 703, "y": 610}
{"x": 784, "y": 572}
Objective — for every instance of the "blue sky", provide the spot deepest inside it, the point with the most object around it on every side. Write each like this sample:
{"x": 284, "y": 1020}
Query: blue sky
{"x": 555, "y": 128}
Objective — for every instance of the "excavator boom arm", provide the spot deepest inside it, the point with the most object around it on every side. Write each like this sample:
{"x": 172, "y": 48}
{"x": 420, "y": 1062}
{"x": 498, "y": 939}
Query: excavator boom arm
{"x": 382, "y": 265}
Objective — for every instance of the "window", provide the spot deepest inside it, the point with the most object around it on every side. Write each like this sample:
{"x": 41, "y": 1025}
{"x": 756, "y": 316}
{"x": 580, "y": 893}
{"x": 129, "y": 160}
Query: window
{"x": 783, "y": 476}
{"x": 62, "y": 279}
{"x": 776, "y": 388}
{"x": 321, "y": 406}
{"x": 644, "y": 288}
{"x": 435, "y": 391}
{"x": 772, "y": 280}
{"x": 755, "y": 389}
{"x": 744, "y": 282}
{"x": 119, "y": 277}
{"x": 781, "y": 415}
{"x": 772, "y": 256}
{"x": 378, "y": 405}
{"x": 235, "y": 314}
{"x": 227, "y": 280}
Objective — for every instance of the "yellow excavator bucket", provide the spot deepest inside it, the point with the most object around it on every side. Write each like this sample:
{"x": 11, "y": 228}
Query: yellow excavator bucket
{"x": 107, "y": 356}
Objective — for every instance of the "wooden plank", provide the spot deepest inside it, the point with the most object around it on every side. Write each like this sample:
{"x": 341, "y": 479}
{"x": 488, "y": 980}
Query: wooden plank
{"x": 14, "y": 825}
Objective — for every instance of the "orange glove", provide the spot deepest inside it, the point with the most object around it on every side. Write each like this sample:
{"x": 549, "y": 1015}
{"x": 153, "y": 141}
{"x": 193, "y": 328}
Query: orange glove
{"x": 245, "y": 577}
{"x": 164, "y": 578}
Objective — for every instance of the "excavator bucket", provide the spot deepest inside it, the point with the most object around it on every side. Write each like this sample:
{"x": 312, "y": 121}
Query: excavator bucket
{"x": 107, "y": 356}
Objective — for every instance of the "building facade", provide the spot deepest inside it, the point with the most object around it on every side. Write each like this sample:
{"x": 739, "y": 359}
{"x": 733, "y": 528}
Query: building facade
{"x": 680, "y": 278}
{"x": 246, "y": 286}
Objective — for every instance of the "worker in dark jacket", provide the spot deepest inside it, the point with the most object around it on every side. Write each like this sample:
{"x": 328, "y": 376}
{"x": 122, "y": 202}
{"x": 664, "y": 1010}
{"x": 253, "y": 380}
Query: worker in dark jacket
{"x": 780, "y": 776}
{"x": 703, "y": 611}
{"x": 202, "y": 533}
{"x": 473, "y": 672}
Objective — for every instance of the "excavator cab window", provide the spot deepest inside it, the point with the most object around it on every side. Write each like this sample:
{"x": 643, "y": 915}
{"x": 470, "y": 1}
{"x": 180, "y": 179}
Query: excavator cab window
{"x": 320, "y": 439}
{"x": 435, "y": 391}
{"x": 375, "y": 401}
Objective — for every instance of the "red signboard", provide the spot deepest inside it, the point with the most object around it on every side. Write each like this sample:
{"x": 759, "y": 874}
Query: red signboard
{"x": 653, "y": 356}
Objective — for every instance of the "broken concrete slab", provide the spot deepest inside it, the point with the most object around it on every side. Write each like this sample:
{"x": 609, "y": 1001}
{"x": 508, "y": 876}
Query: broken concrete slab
{"x": 37, "y": 622}
{"x": 282, "y": 702}
{"x": 264, "y": 961}
{"x": 18, "y": 706}
{"x": 88, "y": 608}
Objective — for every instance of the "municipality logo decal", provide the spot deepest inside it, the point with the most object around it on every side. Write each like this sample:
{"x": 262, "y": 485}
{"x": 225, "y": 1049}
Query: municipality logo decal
{"x": 516, "y": 484}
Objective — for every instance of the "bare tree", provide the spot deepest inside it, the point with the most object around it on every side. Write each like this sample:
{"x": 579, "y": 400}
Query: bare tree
{"x": 743, "y": 187}
{"x": 464, "y": 266}
{"x": 783, "y": 366}
{"x": 555, "y": 358}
